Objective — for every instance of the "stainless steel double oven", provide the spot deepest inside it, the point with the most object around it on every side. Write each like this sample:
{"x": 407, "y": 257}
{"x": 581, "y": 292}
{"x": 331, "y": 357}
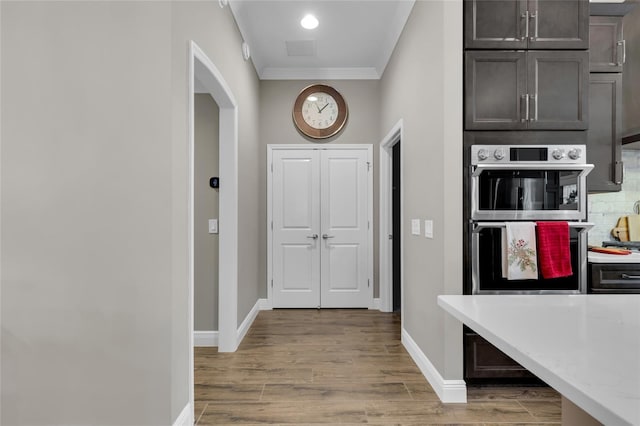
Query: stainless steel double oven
{"x": 525, "y": 183}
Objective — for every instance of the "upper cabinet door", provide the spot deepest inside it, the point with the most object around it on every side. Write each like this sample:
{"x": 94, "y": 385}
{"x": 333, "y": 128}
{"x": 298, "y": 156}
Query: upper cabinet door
{"x": 605, "y": 125}
{"x": 559, "y": 24}
{"x": 495, "y": 89}
{"x": 558, "y": 87}
{"x": 495, "y": 24}
{"x": 522, "y": 24}
{"x": 606, "y": 44}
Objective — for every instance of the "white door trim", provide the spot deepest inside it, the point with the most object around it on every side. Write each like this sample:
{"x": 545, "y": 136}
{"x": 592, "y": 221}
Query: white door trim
{"x": 270, "y": 149}
{"x": 212, "y": 80}
{"x": 386, "y": 216}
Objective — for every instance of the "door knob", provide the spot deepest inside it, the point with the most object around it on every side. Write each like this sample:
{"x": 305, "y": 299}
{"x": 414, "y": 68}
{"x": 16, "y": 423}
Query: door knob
{"x": 326, "y": 237}
{"x": 314, "y": 236}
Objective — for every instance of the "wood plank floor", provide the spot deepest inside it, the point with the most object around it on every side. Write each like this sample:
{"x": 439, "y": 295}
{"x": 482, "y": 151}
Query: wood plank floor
{"x": 342, "y": 367}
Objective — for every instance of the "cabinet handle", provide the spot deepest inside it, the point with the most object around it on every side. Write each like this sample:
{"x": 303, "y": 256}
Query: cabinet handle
{"x": 534, "y": 16}
{"x": 314, "y": 236}
{"x": 326, "y": 237}
{"x": 524, "y": 101}
{"x": 534, "y": 99}
{"x": 622, "y": 46}
{"x": 617, "y": 172}
{"x": 525, "y": 16}
{"x": 630, "y": 277}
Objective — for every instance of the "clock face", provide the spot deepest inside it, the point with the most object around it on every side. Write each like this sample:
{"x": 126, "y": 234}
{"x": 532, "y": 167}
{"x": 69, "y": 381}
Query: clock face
{"x": 319, "y": 111}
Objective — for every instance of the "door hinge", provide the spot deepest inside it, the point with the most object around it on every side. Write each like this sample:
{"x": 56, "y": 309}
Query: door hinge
{"x": 368, "y": 225}
{"x": 271, "y": 283}
{"x": 272, "y": 225}
{"x": 368, "y": 166}
{"x": 271, "y": 167}
{"x": 368, "y": 282}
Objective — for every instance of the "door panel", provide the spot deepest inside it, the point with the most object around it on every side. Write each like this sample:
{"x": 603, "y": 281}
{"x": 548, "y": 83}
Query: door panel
{"x": 344, "y": 253}
{"x": 606, "y": 48}
{"x": 605, "y": 125}
{"x": 495, "y": 24}
{"x": 296, "y": 220}
{"x": 559, "y": 24}
{"x": 559, "y": 87}
{"x": 495, "y": 85}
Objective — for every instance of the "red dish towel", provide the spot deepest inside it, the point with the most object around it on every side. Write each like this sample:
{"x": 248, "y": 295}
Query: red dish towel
{"x": 554, "y": 252}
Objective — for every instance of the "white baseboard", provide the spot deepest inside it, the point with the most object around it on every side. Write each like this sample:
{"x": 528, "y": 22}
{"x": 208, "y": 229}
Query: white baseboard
{"x": 248, "y": 320}
{"x": 376, "y": 304}
{"x": 205, "y": 338}
{"x": 265, "y": 304}
{"x": 449, "y": 391}
{"x": 185, "y": 418}
{"x": 210, "y": 338}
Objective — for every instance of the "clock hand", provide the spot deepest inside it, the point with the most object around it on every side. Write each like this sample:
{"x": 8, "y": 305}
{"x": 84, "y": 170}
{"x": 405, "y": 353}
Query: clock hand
{"x": 322, "y": 109}
{"x": 318, "y": 108}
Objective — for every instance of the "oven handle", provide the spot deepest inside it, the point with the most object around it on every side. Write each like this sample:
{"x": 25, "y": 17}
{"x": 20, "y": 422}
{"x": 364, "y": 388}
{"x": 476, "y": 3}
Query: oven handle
{"x": 477, "y": 226}
{"x": 584, "y": 168}
{"x": 629, "y": 277}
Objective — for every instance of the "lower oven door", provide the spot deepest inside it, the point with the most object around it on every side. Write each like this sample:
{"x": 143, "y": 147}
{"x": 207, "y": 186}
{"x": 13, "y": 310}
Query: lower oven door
{"x": 486, "y": 259}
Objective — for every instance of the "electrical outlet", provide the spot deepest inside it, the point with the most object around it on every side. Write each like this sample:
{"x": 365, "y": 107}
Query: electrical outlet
{"x": 213, "y": 226}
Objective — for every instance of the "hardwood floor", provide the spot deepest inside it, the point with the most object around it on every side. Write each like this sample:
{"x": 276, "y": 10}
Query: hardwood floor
{"x": 342, "y": 367}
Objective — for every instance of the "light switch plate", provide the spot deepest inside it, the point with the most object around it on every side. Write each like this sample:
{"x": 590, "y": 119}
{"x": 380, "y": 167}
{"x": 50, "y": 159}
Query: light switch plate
{"x": 415, "y": 226}
{"x": 213, "y": 226}
{"x": 428, "y": 229}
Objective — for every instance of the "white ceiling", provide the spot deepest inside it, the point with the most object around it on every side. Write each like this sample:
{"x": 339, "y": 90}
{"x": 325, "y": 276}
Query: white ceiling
{"x": 354, "y": 40}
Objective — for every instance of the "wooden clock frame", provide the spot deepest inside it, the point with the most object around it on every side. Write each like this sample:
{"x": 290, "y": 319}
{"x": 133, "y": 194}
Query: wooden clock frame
{"x": 313, "y": 132}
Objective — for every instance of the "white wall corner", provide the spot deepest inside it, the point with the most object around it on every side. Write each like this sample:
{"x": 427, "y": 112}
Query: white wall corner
{"x": 265, "y": 304}
{"x": 205, "y": 338}
{"x": 246, "y": 324}
{"x": 376, "y": 303}
{"x": 449, "y": 391}
{"x": 185, "y": 418}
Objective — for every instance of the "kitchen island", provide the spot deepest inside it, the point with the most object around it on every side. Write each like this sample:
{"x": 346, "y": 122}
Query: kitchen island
{"x": 587, "y": 347}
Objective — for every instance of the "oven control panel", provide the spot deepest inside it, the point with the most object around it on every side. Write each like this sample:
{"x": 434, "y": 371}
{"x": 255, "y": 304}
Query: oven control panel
{"x": 541, "y": 154}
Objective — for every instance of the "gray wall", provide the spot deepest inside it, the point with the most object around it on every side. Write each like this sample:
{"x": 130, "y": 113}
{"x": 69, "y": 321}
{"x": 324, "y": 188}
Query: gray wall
{"x": 276, "y": 127}
{"x": 86, "y": 213}
{"x": 631, "y": 71}
{"x": 94, "y": 205}
{"x": 206, "y": 207}
{"x": 423, "y": 86}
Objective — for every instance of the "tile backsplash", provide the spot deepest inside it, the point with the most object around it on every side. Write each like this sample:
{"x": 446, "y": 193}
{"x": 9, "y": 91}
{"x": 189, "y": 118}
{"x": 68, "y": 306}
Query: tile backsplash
{"x": 606, "y": 208}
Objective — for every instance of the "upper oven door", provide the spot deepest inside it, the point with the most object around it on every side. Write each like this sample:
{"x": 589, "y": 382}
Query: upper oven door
{"x": 529, "y": 191}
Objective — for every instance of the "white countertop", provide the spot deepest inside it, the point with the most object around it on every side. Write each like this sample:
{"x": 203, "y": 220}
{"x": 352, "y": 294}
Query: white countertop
{"x": 587, "y": 347}
{"x": 594, "y": 257}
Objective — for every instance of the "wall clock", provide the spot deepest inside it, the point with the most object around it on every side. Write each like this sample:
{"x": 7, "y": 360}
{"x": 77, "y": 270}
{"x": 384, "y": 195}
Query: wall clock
{"x": 320, "y": 111}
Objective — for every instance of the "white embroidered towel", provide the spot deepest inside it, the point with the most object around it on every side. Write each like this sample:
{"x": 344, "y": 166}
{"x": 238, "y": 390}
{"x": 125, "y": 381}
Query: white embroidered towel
{"x": 519, "y": 257}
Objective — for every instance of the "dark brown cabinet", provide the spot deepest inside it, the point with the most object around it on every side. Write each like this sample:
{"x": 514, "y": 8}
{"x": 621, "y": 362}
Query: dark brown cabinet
{"x": 604, "y": 143}
{"x": 526, "y": 24}
{"x": 537, "y": 90}
{"x": 614, "y": 278}
{"x": 607, "y": 46}
{"x": 485, "y": 361}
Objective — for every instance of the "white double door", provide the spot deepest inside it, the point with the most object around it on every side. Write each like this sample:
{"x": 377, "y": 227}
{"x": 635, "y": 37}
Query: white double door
{"x": 321, "y": 218}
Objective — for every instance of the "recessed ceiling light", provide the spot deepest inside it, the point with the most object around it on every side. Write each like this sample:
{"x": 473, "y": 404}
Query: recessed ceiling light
{"x": 309, "y": 22}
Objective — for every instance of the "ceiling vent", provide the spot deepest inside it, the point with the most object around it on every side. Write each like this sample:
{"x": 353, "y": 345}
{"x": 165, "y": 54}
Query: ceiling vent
{"x": 301, "y": 47}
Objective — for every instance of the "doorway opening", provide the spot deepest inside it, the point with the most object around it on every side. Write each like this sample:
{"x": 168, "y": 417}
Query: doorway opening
{"x": 391, "y": 224}
{"x": 396, "y": 220}
{"x": 202, "y": 70}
